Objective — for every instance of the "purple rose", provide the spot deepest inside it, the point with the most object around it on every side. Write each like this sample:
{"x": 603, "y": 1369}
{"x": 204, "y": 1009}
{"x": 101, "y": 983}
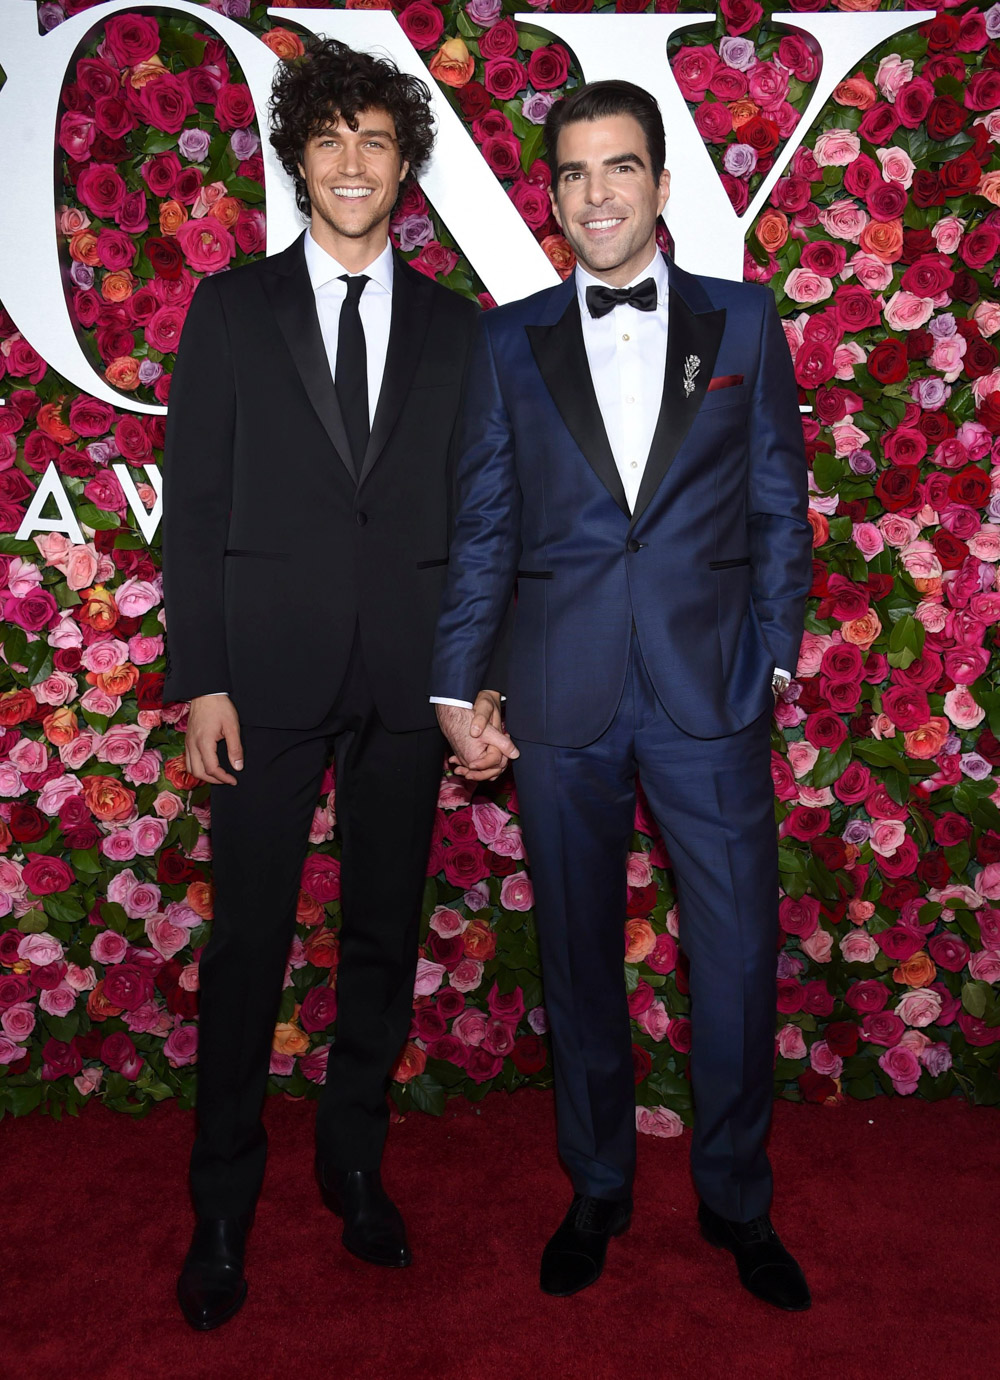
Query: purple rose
{"x": 740, "y": 160}
{"x": 738, "y": 53}
{"x": 485, "y": 13}
{"x": 194, "y": 145}
{"x": 930, "y": 393}
{"x": 414, "y": 231}
{"x": 50, "y": 15}
{"x": 244, "y": 143}
{"x": 537, "y": 107}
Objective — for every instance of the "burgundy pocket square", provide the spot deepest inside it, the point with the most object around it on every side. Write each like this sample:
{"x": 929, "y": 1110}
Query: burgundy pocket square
{"x": 724, "y": 381}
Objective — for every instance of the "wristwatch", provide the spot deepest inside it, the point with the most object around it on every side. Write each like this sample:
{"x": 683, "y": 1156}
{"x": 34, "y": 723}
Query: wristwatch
{"x": 780, "y": 682}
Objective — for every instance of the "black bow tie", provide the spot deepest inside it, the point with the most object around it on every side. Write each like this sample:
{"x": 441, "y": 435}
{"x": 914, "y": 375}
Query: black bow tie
{"x": 601, "y": 300}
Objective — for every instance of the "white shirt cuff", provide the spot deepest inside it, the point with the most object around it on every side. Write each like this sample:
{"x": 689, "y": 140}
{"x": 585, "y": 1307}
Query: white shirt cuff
{"x": 779, "y": 672}
{"x": 459, "y": 704}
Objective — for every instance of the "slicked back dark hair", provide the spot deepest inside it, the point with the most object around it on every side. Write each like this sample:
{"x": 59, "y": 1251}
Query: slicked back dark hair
{"x": 598, "y": 100}
{"x": 332, "y": 79}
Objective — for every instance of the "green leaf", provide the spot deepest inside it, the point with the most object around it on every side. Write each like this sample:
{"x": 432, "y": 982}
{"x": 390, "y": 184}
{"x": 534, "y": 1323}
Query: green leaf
{"x": 63, "y": 907}
{"x": 830, "y": 766}
{"x": 114, "y": 916}
{"x": 33, "y": 921}
{"x": 427, "y": 1095}
{"x": 92, "y": 516}
{"x": 974, "y": 996}
{"x": 531, "y": 146}
{"x": 246, "y": 189}
{"x": 827, "y": 470}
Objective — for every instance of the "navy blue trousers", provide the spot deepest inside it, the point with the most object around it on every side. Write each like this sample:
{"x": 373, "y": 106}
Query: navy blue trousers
{"x": 713, "y": 801}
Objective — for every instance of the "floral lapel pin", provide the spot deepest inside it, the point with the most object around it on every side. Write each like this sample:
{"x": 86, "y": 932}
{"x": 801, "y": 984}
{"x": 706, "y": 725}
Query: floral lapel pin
{"x": 691, "y": 366}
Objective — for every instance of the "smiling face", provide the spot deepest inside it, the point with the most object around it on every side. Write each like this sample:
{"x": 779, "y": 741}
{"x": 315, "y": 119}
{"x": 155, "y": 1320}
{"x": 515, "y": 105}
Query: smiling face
{"x": 606, "y": 198}
{"x": 353, "y": 178}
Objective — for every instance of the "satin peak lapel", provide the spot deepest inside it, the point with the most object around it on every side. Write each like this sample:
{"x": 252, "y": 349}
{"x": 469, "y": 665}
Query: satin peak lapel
{"x": 693, "y": 339}
{"x": 294, "y": 304}
{"x": 561, "y": 356}
{"x": 408, "y": 322}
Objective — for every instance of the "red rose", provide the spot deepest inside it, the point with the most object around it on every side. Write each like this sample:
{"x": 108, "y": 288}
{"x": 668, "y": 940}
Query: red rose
{"x": 960, "y": 175}
{"x": 505, "y": 77}
{"x": 928, "y": 276}
{"x": 321, "y": 878}
{"x": 113, "y": 117}
{"x": 165, "y": 103}
{"x": 983, "y": 91}
{"x": 879, "y": 124}
{"x": 824, "y": 257}
{"x": 102, "y": 189}
{"x": 532, "y": 203}
{"x": 529, "y": 1054}
{"x": 59, "y": 1060}
{"x": 948, "y": 951}
{"x": 933, "y": 869}
{"x": 132, "y": 38}
{"x": 913, "y": 102}
{"x": 807, "y": 822}
{"x": 980, "y": 246}
{"x": 548, "y": 67}
{"x": 165, "y": 257}
{"x": 465, "y": 864}
{"x": 926, "y": 189}
{"x": 944, "y": 118}
{"x": 161, "y": 174}
{"x": 832, "y": 853}
{"x": 234, "y": 107}
{"x": 27, "y": 825}
{"x": 981, "y": 358}
{"x": 119, "y": 1053}
{"x": 319, "y": 1009}
{"x": 941, "y": 33}
{"x": 970, "y": 486}
{"x": 886, "y": 201}
{"x": 855, "y": 307}
{"x": 741, "y": 15}
{"x": 503, "y": 154}
{"x": 173, "y": 869}
{"x": 896, "y": 487}
{"x": 760, "y": 133}
{"x": 127, "y": 986}
{"x": 868, "y": 995}
{"x": 887, "y": 362}
{"x": 499, "y": 41}
{"x": 44, "y": 875}
{"x": 714, "y": 122}
{"x": 423, "y": 24}
{"x": 642, "y": 1064}
{"x": 474, "y": 99}
{"x": 816, "y": 1087}
{"x": 842, "y": 1037}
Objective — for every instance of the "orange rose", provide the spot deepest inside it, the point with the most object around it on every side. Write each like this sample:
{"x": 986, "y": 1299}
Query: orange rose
{"x": 412, "y": 1061}
{"x": 116, "y": 682}
{"x": 639, "y": 940}
{"x": 772, "y": 230}
{"x": 98, "y": 1006}
{"x": 123, "y": 373}
{"x": 916, "y": 971}
{"x": 145, "y": 72}
{"x": 856, "y": 5}
{"x": 99, "y": 610}
{"x": 366, "y": 4}
{"x": 480, "y": 941}
{"x": 559, "y": 253}
{"x": 742, "y": 111}
{"x": 289, "y": 1038}
{"x": 118, "y": 287}
{"x": 931, "y": 585}
{"x": 884, "y": 239}
{"x": 452, "y": 63}
{"x": 199, "y": 897}
{"x": 284, "y": 44}
{"x": 226, "y": 211}
{"x": 178, "y": 775}
{"x": 172, "y": 217}
{"x": 16, "y": 706}
{"x": 926, "y": 741}
{"x": 5, "y": 838}
{"x": 820, "y": 526}
{"x": 857, "y": 91}
{"x": 308, "y": 910}
{"x": 50, "y": 420}
{"x": 107, "y": 799}
{"x": 60, "y": 726}
{"x": 862, "y": 631}
{"x": 989, "y": 187}
{"x": 322, "y": 949}
{"x": 83, "y": 248}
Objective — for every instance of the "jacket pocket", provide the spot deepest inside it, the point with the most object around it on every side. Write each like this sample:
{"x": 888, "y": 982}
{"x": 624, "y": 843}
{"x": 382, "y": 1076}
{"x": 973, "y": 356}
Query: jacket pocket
{"x": 430, "y": 565}
{"x": 535, "y": 574}
{"x": 729, "y": 565}
{"x": 260, "y": 555}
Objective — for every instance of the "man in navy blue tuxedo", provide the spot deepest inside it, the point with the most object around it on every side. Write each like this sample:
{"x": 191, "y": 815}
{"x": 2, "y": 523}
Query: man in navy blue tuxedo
{"x": 632, "y": 457}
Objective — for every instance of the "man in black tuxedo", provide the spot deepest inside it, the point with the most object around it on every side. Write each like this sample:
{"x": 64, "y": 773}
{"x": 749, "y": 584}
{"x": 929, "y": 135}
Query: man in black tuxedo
{"x": 307, "y": 512}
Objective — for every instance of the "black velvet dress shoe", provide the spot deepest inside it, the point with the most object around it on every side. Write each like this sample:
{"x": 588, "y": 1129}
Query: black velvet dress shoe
{"x": 373, "y": 1228}
{"x": 211, "y": 1288}
{"x": 574, "y": 1257}
{"x": 765, "y": 1267}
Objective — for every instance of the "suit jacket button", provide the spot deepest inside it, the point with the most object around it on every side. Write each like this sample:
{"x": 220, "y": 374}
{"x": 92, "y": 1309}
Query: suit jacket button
{"x": 632, "y": 546}
{"x": 362, "y": 518}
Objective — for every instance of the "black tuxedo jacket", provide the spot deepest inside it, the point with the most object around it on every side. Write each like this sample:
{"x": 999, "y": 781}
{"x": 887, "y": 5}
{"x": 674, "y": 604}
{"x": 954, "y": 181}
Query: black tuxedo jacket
{"x": 277, "y": 542}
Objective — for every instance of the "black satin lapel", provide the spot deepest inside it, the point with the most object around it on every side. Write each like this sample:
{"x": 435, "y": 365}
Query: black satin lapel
{"x": 693, "y": 340}
{"x": 561, "y": 356}
{"x": 408, "y": 323}
{"x": 294, "y": 304}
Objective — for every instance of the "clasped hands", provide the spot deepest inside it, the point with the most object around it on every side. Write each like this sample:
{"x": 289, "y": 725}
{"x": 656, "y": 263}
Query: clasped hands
{"x": 481, "y": 748}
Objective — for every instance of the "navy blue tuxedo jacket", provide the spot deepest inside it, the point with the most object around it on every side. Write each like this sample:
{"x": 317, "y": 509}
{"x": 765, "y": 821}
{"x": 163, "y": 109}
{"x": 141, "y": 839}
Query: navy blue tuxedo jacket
{"x": 713, "y": 566}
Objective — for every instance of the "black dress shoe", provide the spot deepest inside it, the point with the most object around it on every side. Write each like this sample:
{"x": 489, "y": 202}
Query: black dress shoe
{"x": 574, "y": 1257}
{"x": 765, "y": 1267}
{"x": 373, "y": 1228}
{"x": 211, "y": 1288}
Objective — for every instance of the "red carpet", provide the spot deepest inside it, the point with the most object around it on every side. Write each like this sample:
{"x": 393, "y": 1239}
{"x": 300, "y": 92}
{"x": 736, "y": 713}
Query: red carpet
{"x": 892, "y": 1207}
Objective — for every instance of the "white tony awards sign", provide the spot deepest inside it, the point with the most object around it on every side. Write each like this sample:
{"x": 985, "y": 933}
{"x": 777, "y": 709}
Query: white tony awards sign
{"x": 708, "y": 234}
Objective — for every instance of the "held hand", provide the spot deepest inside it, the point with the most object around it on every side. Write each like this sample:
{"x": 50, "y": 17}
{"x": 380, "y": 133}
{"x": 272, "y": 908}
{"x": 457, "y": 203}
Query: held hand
{"x": 479, "y": 758}
{"x": 211, "y": 719}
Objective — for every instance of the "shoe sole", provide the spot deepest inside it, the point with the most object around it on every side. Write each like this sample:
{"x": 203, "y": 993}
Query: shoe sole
{"x": 231, "y": 1311}
{"x": 785, "y": 1307}
{"x": 568, "y": 1293}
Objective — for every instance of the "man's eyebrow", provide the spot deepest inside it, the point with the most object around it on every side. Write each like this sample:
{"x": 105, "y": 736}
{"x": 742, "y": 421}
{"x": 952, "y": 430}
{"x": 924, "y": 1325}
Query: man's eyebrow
{"x": 326, "y": 130}
{"x": 580, "y": 165}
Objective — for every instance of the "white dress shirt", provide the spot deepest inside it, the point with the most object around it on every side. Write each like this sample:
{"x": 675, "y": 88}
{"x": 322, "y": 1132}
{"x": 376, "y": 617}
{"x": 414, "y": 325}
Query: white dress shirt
{"x": 375, "y": 308}
{"x": 627, "y": 353}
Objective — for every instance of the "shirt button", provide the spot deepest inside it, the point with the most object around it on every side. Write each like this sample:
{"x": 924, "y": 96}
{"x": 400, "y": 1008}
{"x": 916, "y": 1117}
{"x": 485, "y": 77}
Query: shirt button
{"x": 630, "y": 400}
{"x": 625, "y": 337}
{"x": 634, "y": 465}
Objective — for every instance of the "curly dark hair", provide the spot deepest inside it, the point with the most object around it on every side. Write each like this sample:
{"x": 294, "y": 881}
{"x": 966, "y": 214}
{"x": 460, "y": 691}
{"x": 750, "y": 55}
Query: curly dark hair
{"x": 331, "y": 79}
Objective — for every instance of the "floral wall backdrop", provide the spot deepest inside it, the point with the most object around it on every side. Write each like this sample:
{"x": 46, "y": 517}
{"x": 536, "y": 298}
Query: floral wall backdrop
{"x": 881, "y": 245}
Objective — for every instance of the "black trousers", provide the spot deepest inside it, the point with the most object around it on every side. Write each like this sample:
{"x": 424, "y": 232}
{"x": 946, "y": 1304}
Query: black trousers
{"x": 386, "y": 795}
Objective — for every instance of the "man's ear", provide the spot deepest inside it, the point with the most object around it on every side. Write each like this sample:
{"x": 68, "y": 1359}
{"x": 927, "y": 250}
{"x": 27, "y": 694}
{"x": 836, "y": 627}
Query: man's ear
{"x": 404, "y": 169}
{"x": 663, "y": 189}
{"x": 555, "y": 208}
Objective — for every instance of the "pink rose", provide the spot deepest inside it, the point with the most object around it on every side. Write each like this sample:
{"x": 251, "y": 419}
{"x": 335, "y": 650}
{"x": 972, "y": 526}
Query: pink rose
{"x": 429, "y": 977}
{"x": 654, "y": 1021}
{"x": 181, "y": 1046}
{"x": 870, "y": 272}
{"x": 489, "y": 822}
{"x": 516, "y": 892}
{"x": 892, "y": 75}
{"x": 447, "y": 923}
{"x": 836, "y": 148}
{"x": 166, "y": 938}
{"x": 962, "y": 709}
{"x": 18, "y": 1021}
{"x": 467, "y": 976}
{"x": 206, "y": 244}
{"x": 887, "y": 837}
{"x": 136, "y": 597}
{"x": 987, "y": 317}
{"x": 809, "y": 288}
{"x": 168, "y": 806}
{"x": 844, "y": 220}
{"x": 58, "y": 1001}
{"x": 149, "y": 834}
{"x": 79, "y": 750}
{"x": 145, "y": 771}
{"x": 920, "y": 1007}
{"x": 905, "y": 312}
{"x": 984, "y": 966}
{"x": 30, "y": 755}
{"x": 903, "y": 1067}
{"x": 791, "y": 1044}
{"x": 823, "y": 1060}
{"x": 658, "y": 1121}
{"x": 639, "y": 872}
{"x": 819, "y": 946}
{"x": 470, "y": 1028}
{"x": 40, "y": 949}
{"x": 121, "y": 743}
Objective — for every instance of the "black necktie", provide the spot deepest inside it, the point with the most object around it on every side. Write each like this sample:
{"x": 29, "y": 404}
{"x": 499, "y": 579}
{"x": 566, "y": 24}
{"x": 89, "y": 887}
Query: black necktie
{"x": 601, "y": 300}
{"x": 352, "y": 370}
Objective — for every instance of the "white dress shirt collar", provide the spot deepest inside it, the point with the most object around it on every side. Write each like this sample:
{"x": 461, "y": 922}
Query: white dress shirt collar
{"x": 323, "y": 268}
{"x": 656, "y": 269}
